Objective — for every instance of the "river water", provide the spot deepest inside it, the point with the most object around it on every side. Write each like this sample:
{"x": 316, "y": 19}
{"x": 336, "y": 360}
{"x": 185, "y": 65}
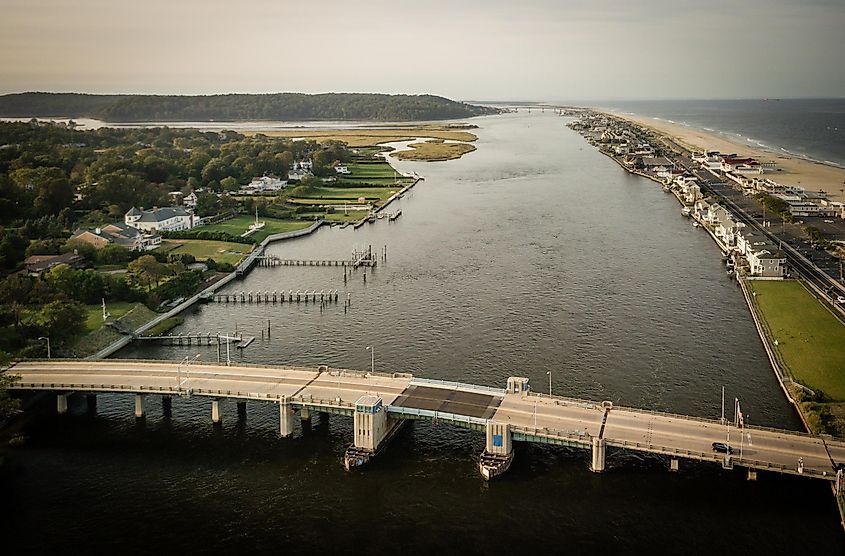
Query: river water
{"x": 535, "y": 253}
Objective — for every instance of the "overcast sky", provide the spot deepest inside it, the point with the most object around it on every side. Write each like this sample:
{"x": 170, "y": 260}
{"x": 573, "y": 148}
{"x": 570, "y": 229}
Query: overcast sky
{"x": 463, "y": 49}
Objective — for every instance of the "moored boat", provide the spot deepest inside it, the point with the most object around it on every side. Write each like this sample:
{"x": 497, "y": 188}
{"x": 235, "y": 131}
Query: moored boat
{"x": 493, "y": 465}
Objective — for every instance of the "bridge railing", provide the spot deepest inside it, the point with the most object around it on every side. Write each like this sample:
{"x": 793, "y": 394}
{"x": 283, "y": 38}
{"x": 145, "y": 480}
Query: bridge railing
{"x": 712, "y": 421}
{"x": 719, "y": 457}
{"x": 452, "y": 385}
{"x": 436, "y": 415}
{"x": 577, "y": 437}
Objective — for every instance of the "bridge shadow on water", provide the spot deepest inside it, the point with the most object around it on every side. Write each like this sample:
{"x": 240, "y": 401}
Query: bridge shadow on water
{"x": 245, "y": 488}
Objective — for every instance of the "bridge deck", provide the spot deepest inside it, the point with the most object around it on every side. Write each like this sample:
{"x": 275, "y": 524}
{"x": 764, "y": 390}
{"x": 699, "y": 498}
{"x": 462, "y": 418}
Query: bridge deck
{"x": 459, "y": 402}
{"x": 534, "y": 417}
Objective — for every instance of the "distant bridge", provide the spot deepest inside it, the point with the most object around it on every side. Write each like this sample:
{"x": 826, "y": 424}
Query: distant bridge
{"x": 380, "y": 401}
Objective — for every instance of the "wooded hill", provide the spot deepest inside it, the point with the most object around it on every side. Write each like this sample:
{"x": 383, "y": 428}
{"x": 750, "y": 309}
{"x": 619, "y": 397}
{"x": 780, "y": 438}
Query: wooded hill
{"x": 232, "y": 107}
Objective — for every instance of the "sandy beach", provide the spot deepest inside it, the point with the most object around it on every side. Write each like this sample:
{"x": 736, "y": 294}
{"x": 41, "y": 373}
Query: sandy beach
{"x": 810, "y": 175}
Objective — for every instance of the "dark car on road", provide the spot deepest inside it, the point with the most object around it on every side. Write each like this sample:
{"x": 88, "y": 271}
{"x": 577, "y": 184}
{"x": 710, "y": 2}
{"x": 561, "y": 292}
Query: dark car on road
{"x": 723, "y": 448}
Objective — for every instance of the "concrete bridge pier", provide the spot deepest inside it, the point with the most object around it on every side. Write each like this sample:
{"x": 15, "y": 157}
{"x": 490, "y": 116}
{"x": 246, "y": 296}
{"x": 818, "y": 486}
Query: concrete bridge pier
{"x": 373, "y": 429}
{"x": 599, "y": 447}
{"x": 286, "y": 417}
{"x": 91, "y": 399}
{"x": 215, "y": 410}
{"x": 752, "y": 475}
{"x": 241, "y": 411}
{"x": 305, "y": 415}
{"x": 673, "y": 464}
{"x": 61, "y": 403}
{"x": 167, "y": 405}
{"x": 139, "y": 406}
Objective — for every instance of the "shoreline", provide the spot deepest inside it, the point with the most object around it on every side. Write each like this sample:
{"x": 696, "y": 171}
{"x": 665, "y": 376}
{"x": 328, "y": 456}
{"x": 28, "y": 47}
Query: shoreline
{"x": 809, "y": 173}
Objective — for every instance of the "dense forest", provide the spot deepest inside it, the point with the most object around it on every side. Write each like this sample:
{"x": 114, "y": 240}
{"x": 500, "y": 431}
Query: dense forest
{"x": 232, "y": 107}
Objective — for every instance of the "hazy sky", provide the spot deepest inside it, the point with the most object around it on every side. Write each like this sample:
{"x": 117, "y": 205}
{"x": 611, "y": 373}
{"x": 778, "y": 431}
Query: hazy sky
{"x": 463, "y": 49}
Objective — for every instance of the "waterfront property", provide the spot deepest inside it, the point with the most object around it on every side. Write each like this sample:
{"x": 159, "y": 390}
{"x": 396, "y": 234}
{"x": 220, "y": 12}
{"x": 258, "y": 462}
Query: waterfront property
{"x": 506, "y": 415}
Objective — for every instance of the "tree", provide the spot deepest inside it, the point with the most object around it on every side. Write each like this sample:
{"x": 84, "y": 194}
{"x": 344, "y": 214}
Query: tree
{"x": 60, "y": 319}
{"x": 8, "y": 405}
{"x": 148, "y": 270}
{"x": 230, "y": 184}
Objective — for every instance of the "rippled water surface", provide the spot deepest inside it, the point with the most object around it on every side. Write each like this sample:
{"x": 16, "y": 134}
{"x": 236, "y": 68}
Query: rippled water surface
{"x": 533, "y": 254}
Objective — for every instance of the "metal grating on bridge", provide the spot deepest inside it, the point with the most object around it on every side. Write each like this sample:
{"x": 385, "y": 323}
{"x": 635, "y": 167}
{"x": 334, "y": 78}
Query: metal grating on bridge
{"x": 443, "y": 400}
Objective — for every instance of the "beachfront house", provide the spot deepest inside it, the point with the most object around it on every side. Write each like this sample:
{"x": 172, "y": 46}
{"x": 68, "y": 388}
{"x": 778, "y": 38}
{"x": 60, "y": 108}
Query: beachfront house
{"x": 741, "y": 165}
{"x": 160, "y": 219}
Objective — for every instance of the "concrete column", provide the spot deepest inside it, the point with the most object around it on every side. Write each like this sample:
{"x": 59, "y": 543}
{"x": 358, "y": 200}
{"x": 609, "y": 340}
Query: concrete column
{"x": 499, "y": 439}
{"x": 673, "y": 464}
{"x": 598, "y": 455}
{"x": 215, "y": 411}
{"x": 139, "y": 406}
{"x": 167, "y": 405}
{"x": 286, "y": 416}
{"x": 305, "y": 414}
{"x": 61, "y": 403}
{"x": 752, "y": 474}
{"x": 241, "y": 410}
{"x": 92, "y": 402}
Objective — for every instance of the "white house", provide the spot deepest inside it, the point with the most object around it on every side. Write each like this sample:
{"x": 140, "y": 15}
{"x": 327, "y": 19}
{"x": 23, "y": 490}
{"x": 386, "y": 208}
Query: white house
{"x": 160, "y": 219}
{"x": 298, "y": 175}
{"x": 264, "y": 184}
{"x": 341, "y": 169}
{"x": 190, "y": 200}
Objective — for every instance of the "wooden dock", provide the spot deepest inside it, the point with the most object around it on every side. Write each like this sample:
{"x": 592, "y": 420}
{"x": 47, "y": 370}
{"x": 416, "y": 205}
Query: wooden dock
{"x": 199, "y": 339}
{"x": 272, "y": 260}
{"x": 290, "y": 296}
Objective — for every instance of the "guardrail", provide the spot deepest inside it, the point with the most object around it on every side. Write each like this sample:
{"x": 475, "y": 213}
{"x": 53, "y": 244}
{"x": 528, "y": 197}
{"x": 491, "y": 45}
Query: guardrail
{"x": 458, "y": 386}
{"x": 436, "y": 415}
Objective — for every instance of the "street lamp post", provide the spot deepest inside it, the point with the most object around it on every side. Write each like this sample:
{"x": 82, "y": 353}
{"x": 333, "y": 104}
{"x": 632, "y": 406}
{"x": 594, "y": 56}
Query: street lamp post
{"x": 178, "y": 369}
{"x": 372, "y": 359}
{"x": 48, "y": 344}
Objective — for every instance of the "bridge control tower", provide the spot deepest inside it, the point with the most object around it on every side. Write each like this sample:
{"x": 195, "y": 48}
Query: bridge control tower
{"x": 373, "y": 429}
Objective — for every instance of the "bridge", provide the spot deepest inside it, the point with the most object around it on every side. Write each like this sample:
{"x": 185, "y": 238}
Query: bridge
{"x": 380, "y": 402}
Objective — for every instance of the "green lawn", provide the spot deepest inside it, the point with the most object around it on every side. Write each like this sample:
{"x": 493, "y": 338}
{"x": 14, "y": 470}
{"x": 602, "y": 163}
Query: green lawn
{"x": 238, "y": 225}
{"x": 352, "y": 193}
{"x": 94, "y": 319}
{"x": 202, "y": 249}
{"x": 811, "y": 341}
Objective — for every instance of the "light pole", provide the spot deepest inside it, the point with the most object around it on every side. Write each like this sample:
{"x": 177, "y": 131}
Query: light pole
{"x": 48, "y": 344}
{"x": 550, "y": 382}
{"x": 372, "y": 359}
{"x": 178, "y": 369}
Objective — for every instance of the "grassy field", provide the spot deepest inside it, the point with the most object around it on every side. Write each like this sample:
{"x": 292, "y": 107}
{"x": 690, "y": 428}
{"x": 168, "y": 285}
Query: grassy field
{"x": 220, "y": 251}
{"x": 94, "y": 319}
{"x": 432, "y": 151}
{"x": 810, "y": 340}
{"x": 238, "y": 225}
{"x": 99, "y": 336}
{"x": 363, "y": 137}
{"x": 352, "y": 193}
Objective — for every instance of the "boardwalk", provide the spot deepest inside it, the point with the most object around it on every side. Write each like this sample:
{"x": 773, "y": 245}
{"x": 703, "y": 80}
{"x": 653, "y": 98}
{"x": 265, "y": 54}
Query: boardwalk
{"x": 527, "y": 416}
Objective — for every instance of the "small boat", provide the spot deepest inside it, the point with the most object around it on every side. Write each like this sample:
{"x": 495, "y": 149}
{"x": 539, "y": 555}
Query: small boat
{"x": 493, "y": 465}
{"x": 695, "y": 224}
{"x": 686, "y": 211}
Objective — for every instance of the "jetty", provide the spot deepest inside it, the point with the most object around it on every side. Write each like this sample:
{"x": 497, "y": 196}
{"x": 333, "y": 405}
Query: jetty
{"x": 270, "y": 297}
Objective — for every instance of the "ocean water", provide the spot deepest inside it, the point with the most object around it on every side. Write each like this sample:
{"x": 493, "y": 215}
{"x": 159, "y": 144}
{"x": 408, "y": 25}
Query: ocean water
{"x": 810, "y": 128}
